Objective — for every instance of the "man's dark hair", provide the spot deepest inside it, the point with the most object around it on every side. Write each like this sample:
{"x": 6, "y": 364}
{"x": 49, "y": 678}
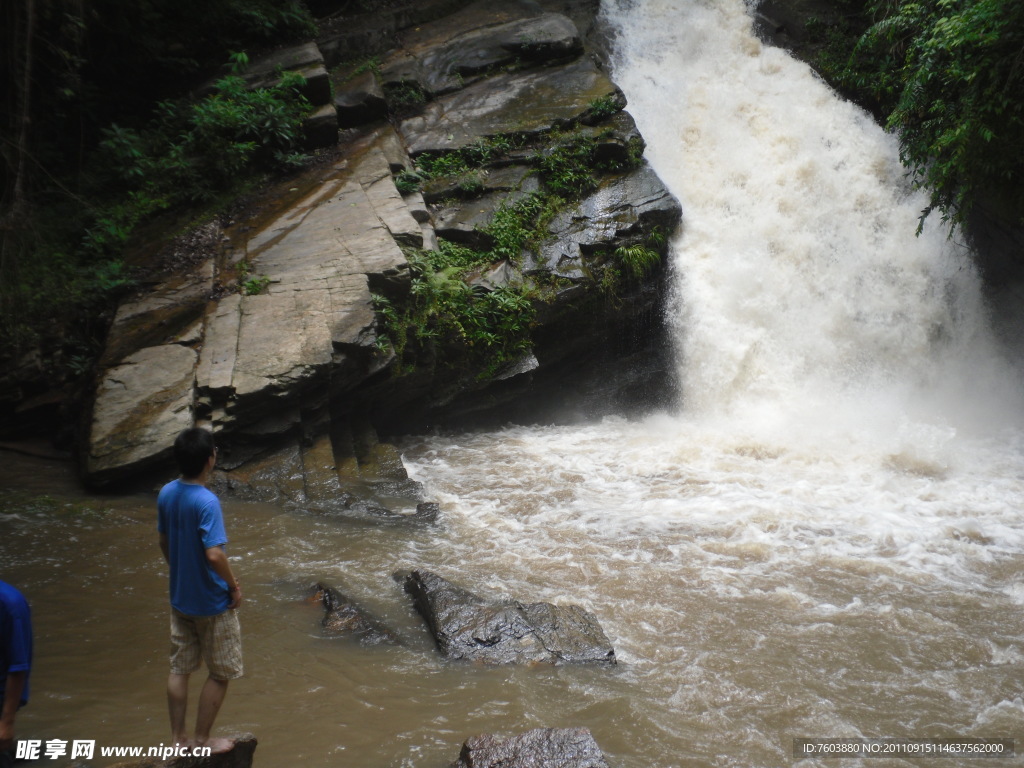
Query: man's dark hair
{"x": 191, "y": 450}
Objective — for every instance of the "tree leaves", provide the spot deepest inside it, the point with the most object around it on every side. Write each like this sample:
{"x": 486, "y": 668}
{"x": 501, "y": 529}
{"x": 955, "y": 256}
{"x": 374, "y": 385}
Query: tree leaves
{"x": 949, "y": 79}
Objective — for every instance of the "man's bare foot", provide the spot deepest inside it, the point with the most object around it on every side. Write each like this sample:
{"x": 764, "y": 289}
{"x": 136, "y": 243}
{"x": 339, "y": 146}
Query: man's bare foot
{"x": 217, "y": 746}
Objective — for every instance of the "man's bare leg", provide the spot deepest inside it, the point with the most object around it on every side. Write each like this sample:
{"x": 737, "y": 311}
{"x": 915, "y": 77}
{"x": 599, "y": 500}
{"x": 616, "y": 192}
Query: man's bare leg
{"x": 177, "y": 701}
{"x": 210, "y": 699}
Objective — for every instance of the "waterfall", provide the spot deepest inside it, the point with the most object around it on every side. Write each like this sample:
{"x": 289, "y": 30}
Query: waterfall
{"x": 804, "y": 301}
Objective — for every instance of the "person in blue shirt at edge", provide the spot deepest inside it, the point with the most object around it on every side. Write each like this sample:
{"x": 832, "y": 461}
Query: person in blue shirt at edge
{"x": 15, "y": 664}
{"x": 204, "y": 592}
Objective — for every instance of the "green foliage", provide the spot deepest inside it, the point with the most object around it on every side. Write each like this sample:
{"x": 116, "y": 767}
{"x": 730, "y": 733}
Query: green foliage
{"x": 248, "y": 283}
{"x": 567, "y": 165}
{"x": 255, "y": 285}
{"x": 52, "y": 299}
{"x": 188, "y": 153}
{"x": 638, "y": 259}
{"x": 521, "y": 224}
{"x": 408, "y": 182}
{"x": 451, "y": 320}
{"x": 463, "y": 166}
{"x": 603, "y": 107}
{"x": 442, "y": 165}
{"x": 404, "y": 98}
{"x": 191, "y": 150}
{"x": 486, "y": 149}
{"x": 948, "y": 76}
{"x": 95, "y": 71}
{"x": 273, "y": 20}
{"x": 371, "y": 64}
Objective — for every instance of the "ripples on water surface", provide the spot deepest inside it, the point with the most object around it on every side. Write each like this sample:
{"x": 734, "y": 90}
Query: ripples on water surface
{"x": 826, "y": 542}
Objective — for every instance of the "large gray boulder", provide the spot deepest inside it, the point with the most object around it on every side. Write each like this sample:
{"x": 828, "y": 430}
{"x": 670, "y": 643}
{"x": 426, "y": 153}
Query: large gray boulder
{"x": 141, "y": 406}
{"x": 255, "y": 366}
{"x": 468, "y": 626}
{"x": 539, "y": 748}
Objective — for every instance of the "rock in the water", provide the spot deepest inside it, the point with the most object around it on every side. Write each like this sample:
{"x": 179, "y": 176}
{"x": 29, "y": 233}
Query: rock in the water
{"x": 343, "y": 617}
{"x": 467, "y": 626}
{"x": 539, "y": 748}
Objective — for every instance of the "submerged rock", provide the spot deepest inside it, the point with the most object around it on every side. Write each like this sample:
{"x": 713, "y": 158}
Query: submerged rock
{"x": 539, "y": 748}
{"x": 343, "y": 617}
{"x": 467, "y": 626}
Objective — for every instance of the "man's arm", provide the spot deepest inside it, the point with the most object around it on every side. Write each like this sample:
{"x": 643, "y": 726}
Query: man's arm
{"x": 12, "y": 700}
{"x": 218, "y": 560}
{"x": 165, "y": 548}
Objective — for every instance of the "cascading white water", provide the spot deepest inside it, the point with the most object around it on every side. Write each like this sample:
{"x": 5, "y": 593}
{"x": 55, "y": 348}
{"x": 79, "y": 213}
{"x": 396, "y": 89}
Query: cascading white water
{"x": 803, "y": 295}
{"x": 827, "y": 538}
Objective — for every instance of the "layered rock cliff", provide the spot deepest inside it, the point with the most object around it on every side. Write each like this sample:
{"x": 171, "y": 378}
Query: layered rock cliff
{"x": 299, "y": 329}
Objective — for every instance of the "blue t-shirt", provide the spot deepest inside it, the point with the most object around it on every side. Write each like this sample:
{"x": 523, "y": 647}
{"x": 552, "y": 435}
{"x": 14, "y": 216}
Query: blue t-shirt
{"x": 190, "y": 516}
{"x": 15, "y": 637}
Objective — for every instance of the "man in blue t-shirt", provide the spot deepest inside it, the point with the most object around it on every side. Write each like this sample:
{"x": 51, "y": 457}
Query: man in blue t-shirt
{"x": 15, "y": 664}
{"x": 204, "y": 591}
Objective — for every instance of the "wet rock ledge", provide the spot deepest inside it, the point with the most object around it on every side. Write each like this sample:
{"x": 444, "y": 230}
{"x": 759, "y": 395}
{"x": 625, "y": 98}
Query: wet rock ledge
{"x": 281, "y": 334}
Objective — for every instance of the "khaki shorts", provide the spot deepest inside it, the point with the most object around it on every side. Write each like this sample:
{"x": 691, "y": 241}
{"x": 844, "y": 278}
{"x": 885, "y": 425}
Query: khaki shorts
{"x": 217, "y": 640}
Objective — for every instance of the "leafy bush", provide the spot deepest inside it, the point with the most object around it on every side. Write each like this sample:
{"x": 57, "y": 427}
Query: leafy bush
{"x": 453, "y": 320}
{"x": 603, "y": 107}
{"x": 948, "y": 76}
{"x": 638, "y": 259}
{"x": 567, "y": 165}
{"x": 191, "y": 150}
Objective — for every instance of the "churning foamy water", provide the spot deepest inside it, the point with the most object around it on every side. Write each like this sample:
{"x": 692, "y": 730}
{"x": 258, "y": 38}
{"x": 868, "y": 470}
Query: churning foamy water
{"x": 826, "y": 537}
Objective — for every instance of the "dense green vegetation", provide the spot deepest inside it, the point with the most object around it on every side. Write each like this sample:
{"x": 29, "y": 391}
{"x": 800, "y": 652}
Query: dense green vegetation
{"x": 948, "y": 77}
{"x": 98, "y": 139}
